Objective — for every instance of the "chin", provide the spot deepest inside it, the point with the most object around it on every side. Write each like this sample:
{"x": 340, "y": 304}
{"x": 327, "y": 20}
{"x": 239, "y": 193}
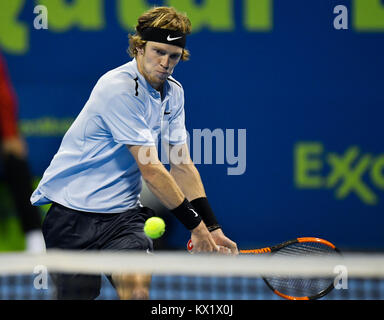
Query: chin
{"x": 161, "y": 80}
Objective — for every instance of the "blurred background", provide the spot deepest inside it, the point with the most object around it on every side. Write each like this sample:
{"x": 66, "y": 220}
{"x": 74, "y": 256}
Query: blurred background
{"x": 303, "y": 80}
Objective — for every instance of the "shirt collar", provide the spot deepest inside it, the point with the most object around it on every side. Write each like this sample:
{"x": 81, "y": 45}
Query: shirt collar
{"x": 145, "y": 83}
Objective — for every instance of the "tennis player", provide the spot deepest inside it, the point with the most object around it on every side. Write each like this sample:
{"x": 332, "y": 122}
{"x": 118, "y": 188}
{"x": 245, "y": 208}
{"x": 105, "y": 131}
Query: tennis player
{"x": 94, "y": 180}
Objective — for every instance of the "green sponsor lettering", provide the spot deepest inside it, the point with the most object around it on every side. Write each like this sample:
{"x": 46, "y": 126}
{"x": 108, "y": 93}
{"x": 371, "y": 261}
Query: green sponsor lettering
{"x": 84, "y": 14}
{"x": 308, "y": 165}
{"x": 13, "y": 34}
{"x": 211, "y": 14}
{"x": 377, "y": 172}
{"x": 258, "y": 15}
{"x": 45, "y": 127}
{"x": 340, "y": 165}
{"x": 128, "y": 11}
{"x": 368, "y": 15}
{"x": 351, "y": 177}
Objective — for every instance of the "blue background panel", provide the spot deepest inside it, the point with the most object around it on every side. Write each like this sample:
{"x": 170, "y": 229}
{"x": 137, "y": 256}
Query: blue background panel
{"x": 296, "y": 82}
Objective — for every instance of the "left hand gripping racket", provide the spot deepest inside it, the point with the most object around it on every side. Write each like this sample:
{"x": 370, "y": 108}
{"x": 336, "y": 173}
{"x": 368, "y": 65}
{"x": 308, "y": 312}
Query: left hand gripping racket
{"x": 296, "y": 288}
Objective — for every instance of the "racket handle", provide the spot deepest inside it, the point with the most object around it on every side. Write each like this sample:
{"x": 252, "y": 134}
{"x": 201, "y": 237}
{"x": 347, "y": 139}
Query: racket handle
{"x": 190, "y": 245}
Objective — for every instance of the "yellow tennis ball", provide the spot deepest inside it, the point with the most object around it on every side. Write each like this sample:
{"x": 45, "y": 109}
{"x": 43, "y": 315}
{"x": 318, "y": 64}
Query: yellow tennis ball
{"x": 154, "y": 227}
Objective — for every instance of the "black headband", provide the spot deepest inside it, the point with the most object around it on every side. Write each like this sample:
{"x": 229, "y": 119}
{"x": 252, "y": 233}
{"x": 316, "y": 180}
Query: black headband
{"x": 176, "y": 38}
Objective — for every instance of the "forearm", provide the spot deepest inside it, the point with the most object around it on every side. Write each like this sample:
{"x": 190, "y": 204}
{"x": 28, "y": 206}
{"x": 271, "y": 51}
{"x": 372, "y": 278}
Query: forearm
{"x": 188, "y": 179}
{"x": 156, "y": 176}
{"x": 164, "y": 186}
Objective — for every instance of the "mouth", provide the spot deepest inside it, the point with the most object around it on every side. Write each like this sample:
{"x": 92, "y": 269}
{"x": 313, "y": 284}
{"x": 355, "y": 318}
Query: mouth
{"x": 163, "y": 73}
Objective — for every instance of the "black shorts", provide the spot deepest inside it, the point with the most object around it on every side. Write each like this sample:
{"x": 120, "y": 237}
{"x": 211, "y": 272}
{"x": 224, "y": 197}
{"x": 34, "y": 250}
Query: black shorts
{"x": 65, "y": 228}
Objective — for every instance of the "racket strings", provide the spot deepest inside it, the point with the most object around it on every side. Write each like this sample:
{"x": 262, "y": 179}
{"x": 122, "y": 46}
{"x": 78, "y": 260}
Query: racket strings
{"x": 302, "y": 287}
{"x": 299, "y": 287}
{"x": 306, "y": 249}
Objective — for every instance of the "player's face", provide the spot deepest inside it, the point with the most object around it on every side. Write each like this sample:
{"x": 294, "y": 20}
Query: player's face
{"x": 157, "y": 61}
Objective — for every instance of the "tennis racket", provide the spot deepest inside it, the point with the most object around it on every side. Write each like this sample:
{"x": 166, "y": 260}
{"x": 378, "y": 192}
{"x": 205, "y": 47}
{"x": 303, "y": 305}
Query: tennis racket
{"x": 296, "y": 288}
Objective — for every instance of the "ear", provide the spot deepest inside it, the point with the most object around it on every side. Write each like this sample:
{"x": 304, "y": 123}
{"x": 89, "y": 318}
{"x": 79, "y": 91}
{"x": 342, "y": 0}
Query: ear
{"x": 140, "y": 51}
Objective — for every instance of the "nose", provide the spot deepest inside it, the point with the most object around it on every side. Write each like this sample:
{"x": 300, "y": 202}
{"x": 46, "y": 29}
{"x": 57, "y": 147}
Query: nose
{"x": 165, "y": 62}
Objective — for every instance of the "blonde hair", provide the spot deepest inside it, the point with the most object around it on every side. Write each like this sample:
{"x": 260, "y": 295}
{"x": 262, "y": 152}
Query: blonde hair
{"x": 160, "y": 17}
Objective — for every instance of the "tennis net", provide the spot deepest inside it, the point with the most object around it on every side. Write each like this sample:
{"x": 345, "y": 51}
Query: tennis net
{"x": 177, "y": 275}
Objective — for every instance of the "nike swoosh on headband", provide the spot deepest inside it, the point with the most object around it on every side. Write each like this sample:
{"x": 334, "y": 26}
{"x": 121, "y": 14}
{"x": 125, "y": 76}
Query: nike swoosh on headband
{"x": 172, "y": 39}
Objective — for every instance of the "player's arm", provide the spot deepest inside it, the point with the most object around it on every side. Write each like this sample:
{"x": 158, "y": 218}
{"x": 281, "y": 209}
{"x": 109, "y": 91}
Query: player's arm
{"x": 164, "y": 187}
{"x": 185, "y": 173}
{"x": 188, "y": 179}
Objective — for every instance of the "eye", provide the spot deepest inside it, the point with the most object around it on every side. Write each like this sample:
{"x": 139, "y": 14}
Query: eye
{"x": 175, "y": 56}
{"x": 160, "y": 52}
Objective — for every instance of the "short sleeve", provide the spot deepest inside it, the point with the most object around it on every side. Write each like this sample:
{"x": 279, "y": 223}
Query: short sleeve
{"x": 125, "y": 119}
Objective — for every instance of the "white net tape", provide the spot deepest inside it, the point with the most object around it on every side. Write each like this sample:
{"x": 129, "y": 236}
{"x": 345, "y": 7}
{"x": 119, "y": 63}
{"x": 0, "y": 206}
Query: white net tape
{"x": 183, "y": 263}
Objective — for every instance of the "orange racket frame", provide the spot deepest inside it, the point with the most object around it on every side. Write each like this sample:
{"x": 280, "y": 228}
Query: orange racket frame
{"x": 275, "y": 248}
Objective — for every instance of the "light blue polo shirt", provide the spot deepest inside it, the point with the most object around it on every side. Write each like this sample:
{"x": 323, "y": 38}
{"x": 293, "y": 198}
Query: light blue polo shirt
{"x": 93, "y": 169}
